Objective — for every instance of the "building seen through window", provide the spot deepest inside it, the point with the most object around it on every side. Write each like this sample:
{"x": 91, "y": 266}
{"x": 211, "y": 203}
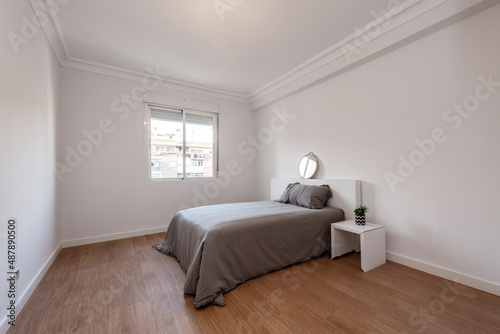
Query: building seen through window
{"x": 168, "y": 142}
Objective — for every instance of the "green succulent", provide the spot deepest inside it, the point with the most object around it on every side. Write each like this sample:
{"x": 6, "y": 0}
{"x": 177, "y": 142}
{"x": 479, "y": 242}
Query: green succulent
{"x": 360, "y": 210}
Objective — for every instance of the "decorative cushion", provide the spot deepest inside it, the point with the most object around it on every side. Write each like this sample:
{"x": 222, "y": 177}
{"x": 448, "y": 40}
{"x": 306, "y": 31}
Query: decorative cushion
{"x": 312, "y": 197}
{"x": 284, "y": 196}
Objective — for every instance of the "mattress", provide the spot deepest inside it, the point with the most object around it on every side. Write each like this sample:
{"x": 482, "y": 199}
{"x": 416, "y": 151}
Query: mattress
{"x": 221, "y": 246}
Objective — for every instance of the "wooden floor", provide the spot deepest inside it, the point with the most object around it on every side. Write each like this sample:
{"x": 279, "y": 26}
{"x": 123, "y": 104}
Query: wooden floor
{"x": 125, "y": 286}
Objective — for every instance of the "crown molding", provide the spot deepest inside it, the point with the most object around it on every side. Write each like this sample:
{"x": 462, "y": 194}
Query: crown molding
{"x": 136, "y": 76}
{"x": 412, "y": 20}
{"x": 55, "y": 36}
{"x": 52, "y": 30}
{"x": 403, "y": 24}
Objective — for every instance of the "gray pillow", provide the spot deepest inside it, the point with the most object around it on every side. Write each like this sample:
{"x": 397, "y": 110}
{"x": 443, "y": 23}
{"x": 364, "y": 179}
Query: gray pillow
{"x": 312, "y": 197}
{"x": 284, "y": 196}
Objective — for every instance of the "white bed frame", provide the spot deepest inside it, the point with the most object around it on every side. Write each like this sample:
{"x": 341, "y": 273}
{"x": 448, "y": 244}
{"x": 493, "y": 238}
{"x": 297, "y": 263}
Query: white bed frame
{"x": 346, "y": 193}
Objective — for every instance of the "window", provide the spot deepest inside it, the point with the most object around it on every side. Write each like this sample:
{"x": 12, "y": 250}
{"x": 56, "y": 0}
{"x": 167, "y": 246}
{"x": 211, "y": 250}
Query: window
{"x": 182, "y": 143}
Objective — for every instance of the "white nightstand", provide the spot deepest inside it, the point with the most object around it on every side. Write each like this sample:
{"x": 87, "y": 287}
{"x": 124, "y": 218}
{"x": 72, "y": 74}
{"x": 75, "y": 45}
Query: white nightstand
{"x": 371, "y": 238}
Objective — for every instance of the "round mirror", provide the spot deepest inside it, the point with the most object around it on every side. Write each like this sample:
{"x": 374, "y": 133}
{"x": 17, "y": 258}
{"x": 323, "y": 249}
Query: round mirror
{"x": 308, "y": 165}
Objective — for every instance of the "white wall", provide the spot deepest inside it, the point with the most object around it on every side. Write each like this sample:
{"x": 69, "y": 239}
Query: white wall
{"x": 359, "y": 123}
{"x": 108, "y": 193}
{"x": 29, "y": 103}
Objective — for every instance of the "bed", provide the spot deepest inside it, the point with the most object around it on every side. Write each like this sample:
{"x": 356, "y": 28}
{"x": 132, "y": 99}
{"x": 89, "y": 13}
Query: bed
{"x": 222, "y": 246}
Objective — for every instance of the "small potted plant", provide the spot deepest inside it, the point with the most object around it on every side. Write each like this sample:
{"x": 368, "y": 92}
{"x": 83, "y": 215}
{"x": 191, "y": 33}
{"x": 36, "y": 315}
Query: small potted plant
{"x": 360, "y": 215}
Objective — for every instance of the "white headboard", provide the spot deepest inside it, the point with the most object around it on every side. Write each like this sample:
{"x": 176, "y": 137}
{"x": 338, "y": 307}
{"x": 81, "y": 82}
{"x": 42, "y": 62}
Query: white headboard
{"x": 346, "y": 193}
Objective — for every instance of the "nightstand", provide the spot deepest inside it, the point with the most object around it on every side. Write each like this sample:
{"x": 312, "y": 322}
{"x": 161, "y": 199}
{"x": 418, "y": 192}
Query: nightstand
{"x": 371, "y": 238}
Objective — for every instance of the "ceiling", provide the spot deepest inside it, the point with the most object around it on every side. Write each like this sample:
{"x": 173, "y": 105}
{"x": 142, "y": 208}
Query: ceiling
{"x": 238, "y": 51}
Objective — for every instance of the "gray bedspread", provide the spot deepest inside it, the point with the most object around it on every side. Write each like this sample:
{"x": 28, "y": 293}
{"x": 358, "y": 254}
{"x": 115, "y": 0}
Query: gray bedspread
{"x": 221, "y": 246}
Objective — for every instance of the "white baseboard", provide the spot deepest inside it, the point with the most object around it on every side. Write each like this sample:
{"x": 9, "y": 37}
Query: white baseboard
{"x": 26, "y": 294}
{"x": 113, "y": 236}
{"x": 4, "y": 324}
{"x": 471, "y": 281}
